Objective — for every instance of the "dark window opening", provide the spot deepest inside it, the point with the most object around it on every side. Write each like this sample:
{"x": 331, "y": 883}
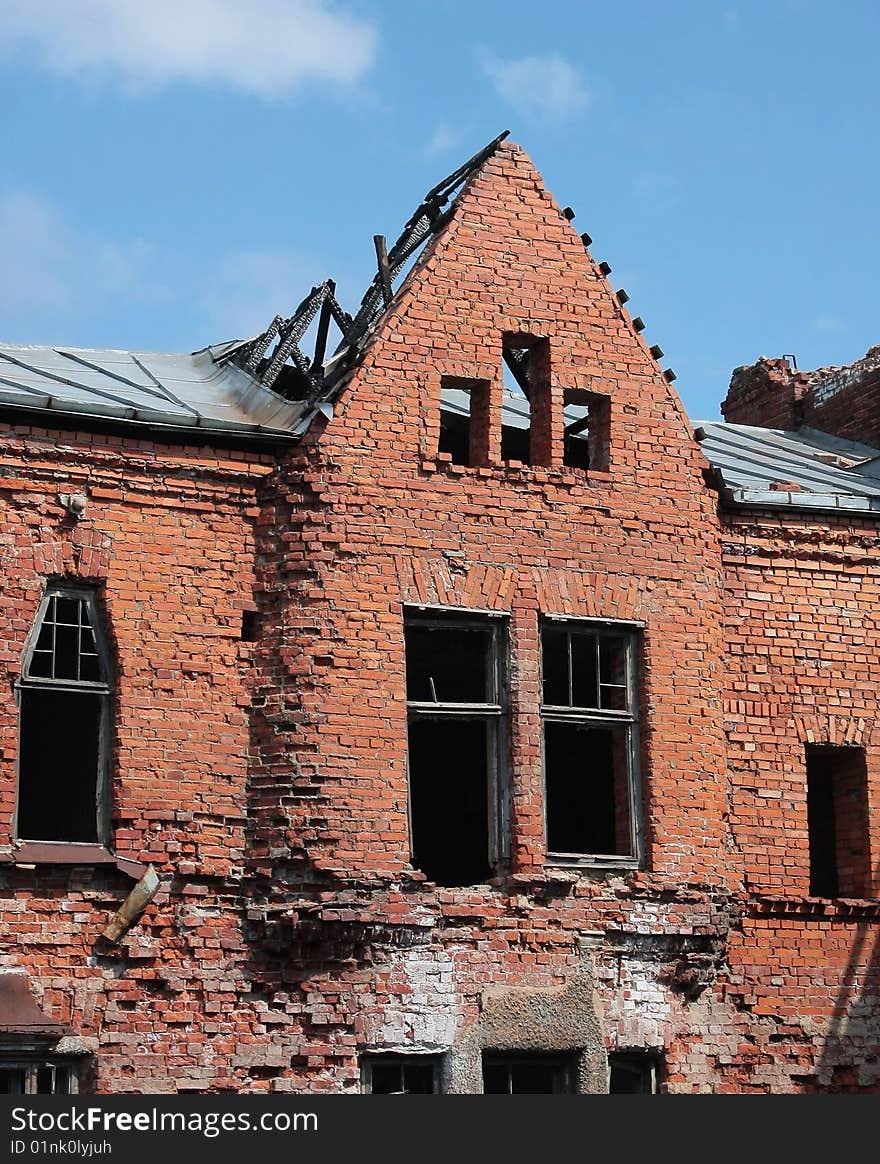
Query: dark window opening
{"x": 464, "y": 420}
{"x": 587, "y": 789}
{"x": 455, "y": 702}
{"x": 449, "y": 663}
{"x": 399, "y": 1074}
{"x": 449, "y": 797}
{"x": 64, "y": 697}
{"x": 589, "y": 714}
{"x": 526, "y": 382}
{"x": 39, "y": 1077}
{"x": 58, "y": 760}
{"x": 527, "y": 1074}
{"x": 632, "y": 1073}
{"x": 585, "y": 433}
{"x": 837, "y": 821}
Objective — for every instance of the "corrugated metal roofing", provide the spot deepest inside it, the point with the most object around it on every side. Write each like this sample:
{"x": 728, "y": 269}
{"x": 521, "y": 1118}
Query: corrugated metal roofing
{"x": 754, "y": 466}
{"x": 193, "y": 392}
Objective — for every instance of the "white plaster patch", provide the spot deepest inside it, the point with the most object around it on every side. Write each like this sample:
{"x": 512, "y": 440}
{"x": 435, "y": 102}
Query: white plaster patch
{"x": 424, "y": 1015}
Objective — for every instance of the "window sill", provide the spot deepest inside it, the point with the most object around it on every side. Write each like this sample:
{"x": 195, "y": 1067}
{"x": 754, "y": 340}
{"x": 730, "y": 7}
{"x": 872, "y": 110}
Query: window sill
{"x": 818, "y": 907}
{"x": 590, "y": 864}
{"x": 71, "y": 853}
{"x": 561, "y": 475}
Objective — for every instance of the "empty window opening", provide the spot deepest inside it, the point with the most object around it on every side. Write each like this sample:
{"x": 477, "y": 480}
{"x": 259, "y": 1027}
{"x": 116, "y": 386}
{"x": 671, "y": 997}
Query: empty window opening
{"x": 455, "y": 703}
{"x": 527, "y": 1074}
{"x": 632, "y": 1073}
{"x": 64, "y": 697}
{"x": 526, "y": 368}
{"x": 464, "y": 421}
{"x": 400, "y": 1074}
{"x": 837, "y": 821}
{"x": 585, "y": 433}
{"x": 589, "y": 716}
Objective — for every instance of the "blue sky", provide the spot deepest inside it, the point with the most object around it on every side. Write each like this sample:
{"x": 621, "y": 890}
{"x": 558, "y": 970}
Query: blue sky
{"x": 173, "y": 173}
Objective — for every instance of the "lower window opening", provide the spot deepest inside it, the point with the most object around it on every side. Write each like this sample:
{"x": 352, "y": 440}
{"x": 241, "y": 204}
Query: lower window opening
{"x": 59, "y": 765}
{"x": 632, "y": 1073}
{"x": 399, "y": 1074}
{"x": 38, "y": 1078}
{"x": 527, "y": 1075}
{"x": 588, "y": 797}
{"x": 449, "y": 796}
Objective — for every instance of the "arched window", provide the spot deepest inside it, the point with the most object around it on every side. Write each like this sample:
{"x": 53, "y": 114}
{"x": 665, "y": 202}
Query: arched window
{"x": 65, "y": 727}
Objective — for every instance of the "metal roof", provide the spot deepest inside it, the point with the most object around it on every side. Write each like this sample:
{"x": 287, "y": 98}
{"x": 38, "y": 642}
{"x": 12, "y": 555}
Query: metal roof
{"x": 805, "y": 469}
{"x": 190, "y": 392}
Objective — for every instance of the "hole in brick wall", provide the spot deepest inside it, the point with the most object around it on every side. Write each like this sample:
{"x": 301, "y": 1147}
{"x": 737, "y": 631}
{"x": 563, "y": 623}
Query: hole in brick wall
{"x": 589, "y": 718}
{"x": 632, "y": 1073}
{"x": 837, "y": 821}
{"x": 586, "y": 429}
{"x": 527, "y": 1074}
{"x": 526, "y": 380}
{"x": 464, "y": 420}
{"x": 250, "y": 626}
{"x": 454, "y": 703}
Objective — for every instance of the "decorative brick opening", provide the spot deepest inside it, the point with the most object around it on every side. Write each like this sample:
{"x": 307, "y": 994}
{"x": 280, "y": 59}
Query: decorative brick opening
{"x": 586, "y": 432}
{"x": 464, "y": 420}
{"x": 526, "y": 432}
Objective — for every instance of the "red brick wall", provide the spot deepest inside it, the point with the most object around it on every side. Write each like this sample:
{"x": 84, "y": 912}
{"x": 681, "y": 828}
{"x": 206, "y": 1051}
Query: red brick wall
{"x": 168, "y": 540}
{"x": 844, "y": 401}
{"x": 803, "y": 639}
{"x": 768, "y": 394}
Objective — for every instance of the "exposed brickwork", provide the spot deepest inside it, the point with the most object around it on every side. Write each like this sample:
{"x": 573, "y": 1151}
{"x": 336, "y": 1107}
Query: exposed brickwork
{"x": 844, "y": 401}
{"x": 768, "y": 394}
{"x": 267, "y": 780}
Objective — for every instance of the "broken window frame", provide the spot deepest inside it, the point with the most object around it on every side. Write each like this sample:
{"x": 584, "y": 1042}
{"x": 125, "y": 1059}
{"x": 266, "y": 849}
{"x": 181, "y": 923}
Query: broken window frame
{"x": 641, "y": 1065}
{"x": 494, "y": 714}
{"x": 599, "y": 717}
{"x": 402, "y": 1061}
{"x": 30, "y": 1063}
{"x": 562, "y": 1065}
{"x": 102, "y": 689}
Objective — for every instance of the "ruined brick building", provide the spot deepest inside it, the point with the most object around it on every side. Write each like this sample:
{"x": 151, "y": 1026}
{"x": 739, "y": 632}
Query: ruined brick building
{"x": 440, "y": 712}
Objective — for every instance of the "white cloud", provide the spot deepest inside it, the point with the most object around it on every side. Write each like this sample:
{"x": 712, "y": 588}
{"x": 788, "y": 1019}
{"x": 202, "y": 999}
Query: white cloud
{"x": 265, "y": 47}
{"x": 50, "y": 271}
{"x": 245, "y": 292}
{"x": 545, "y": 87}
{"x": 829, "y": 324}
{"x": 441, "y": 140}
